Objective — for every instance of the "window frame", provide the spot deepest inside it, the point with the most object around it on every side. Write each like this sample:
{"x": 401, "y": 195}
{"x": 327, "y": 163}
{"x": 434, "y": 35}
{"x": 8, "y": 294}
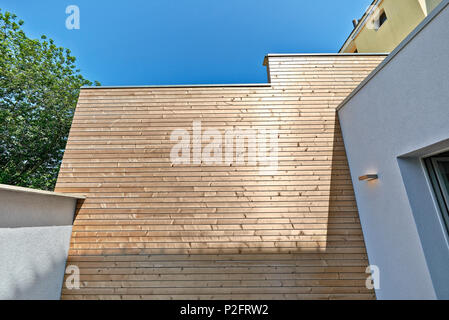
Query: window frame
{"x": 381, "y": 23}
{"x": 439, "y": 188}
{"x": 377, "y": 22}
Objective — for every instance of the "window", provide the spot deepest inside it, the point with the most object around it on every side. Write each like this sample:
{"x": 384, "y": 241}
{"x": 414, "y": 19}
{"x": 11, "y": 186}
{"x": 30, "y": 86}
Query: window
{"x": 438, "y": 168}
{"x": 380, "y": 20}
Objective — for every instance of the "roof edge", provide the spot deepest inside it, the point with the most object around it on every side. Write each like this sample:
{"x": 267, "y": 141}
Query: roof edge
{"x": 181, "y": 86}
{"x": 396, "y": 51}
{"x": 271, "y": 55}
{"x": 324, "y": 54}
{"x": 6, "y": 187}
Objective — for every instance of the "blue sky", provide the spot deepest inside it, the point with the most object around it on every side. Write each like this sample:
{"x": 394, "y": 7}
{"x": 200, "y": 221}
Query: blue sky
{"x": 151, "y": 42}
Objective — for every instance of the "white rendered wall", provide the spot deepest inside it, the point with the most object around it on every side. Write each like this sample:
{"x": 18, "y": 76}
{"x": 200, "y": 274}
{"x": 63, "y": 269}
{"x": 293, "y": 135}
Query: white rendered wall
{"x": 35, "y": 232}
{"x": 399, "y": 116}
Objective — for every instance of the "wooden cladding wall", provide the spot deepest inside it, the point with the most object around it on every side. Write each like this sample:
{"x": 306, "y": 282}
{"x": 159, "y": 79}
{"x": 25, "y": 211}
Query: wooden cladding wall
{"x": 153, "y": 230}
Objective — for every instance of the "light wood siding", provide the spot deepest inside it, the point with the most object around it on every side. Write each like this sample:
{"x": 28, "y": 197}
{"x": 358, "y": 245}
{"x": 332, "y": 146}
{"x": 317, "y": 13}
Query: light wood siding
{"x": 152, "y": 230}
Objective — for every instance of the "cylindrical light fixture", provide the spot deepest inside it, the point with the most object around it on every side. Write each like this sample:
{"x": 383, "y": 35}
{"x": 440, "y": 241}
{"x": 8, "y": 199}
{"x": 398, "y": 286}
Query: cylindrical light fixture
{"x": 369, "y": 177}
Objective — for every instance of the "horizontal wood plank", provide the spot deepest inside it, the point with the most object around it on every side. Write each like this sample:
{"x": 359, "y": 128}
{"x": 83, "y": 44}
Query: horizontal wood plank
{"x": 150, "y": 229}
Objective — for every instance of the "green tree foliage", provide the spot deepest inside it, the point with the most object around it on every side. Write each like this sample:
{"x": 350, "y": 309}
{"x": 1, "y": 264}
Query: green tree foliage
{"x": 39, "y": 87}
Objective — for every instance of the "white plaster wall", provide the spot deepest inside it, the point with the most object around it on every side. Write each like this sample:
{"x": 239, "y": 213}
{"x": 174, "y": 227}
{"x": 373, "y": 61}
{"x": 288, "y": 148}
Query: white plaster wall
{"x": 35, "y": 232}
{"x": 403, "y": 109}
{"x": 32, "y": 262}
{"x": 21, "y": 209}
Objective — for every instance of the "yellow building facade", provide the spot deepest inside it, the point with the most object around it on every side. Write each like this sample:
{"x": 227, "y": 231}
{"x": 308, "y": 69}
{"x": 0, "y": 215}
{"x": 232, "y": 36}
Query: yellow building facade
{"x": 385, "y": 24}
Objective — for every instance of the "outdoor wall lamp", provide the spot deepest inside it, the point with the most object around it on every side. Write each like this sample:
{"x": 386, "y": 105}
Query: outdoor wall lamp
{"x": 369, "y": 177}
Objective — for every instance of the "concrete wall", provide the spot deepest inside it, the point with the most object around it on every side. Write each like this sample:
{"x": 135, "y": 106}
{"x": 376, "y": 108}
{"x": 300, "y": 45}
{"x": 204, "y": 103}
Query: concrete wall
{"x": 397, "y": 117}
{"x": 35, "y": 230}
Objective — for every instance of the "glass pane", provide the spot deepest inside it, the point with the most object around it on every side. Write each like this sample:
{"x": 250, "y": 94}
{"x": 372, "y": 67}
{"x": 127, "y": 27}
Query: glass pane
{"x": 443, "y": 175}
{"x": 441, "y": 167}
